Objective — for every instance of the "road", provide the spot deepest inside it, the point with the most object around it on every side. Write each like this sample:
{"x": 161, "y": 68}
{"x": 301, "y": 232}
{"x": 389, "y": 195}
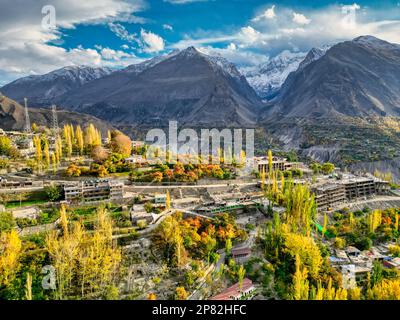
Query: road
{"x": 376, "y": 199}
{"x": 197, "y": 186}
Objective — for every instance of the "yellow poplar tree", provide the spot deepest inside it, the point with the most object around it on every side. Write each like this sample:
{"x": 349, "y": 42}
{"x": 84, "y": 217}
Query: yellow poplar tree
{"x": 300, "y": 286}
{"x": 54, "y": 162}
{"x": 46, "y": 154}
{"x": 168, "y": 201}
{"x": 240, "y": 274}
{"x": 79, "y": 140}
{"x": 10, "y": 251}
{"x": 38, "y": 151}
{"x": 28, "y": 287}
{"x": 269, "y": 161}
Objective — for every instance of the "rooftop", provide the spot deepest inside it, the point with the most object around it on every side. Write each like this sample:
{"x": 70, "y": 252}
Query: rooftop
{"x": 234, "y": 291}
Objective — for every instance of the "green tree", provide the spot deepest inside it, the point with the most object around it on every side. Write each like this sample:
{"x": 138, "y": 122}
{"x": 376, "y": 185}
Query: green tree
{"x": 327, "y": 168}
{"x": 53, "y": 192}
{"x": 7, "y": 221}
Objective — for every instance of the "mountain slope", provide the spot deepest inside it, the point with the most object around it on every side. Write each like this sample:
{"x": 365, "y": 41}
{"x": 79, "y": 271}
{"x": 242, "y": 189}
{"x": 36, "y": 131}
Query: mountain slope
{"x": 12, "y": 117}
{"x": 42, "y": 90}
{"x": 358, "y": 78}
{"x": 189, "y": 86}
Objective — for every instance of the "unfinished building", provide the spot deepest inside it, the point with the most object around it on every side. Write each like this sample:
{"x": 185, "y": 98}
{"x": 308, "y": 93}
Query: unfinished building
{"x": 361, "y": 187}
{"x": 330, "y": 196}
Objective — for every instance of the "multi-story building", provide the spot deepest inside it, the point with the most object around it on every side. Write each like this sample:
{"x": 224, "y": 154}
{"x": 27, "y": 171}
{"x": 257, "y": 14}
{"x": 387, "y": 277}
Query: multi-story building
{"x": 349, "y": 188}
{"x": 330, "y": 196}
{"x": 278, "y": 164}
{"x": 16, "y": 184}
{"x": 94, "y": 190}
{"x": 360, "y": 187}
{"x": 262, "y": 164}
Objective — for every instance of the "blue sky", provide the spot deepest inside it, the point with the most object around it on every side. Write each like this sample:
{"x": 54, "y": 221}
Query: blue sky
{"x": 116, "y": 33}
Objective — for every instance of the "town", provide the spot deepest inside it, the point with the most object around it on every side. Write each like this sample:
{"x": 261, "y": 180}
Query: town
{"x": 264, "y": 227}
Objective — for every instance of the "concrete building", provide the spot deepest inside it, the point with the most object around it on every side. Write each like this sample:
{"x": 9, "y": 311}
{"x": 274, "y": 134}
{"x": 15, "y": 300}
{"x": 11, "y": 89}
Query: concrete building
{"x": 360, "y": 187}
{"x": 160, "y": 199}
{"x": 94, "y": 190}
{"x": 16, "y": 184}
{"x": 262, "y": 164}
{"x": 329, "y": 196}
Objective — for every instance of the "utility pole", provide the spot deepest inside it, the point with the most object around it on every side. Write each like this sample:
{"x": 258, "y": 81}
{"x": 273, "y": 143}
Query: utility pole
{"x": 27, "y": 120}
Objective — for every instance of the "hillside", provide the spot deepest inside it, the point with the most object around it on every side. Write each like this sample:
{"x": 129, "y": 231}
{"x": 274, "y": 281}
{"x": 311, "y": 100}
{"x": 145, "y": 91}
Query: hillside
{"x": 358, "y": 78}
{"x": 12, "y": 117}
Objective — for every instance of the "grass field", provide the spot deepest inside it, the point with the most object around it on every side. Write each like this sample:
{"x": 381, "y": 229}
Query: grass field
{"x": 18, "y": 204}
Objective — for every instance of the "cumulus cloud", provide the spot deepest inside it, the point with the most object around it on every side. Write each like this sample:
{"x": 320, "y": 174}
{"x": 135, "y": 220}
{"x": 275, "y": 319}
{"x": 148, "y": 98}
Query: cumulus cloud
{"x": 268, "y": 14}
{"x": 249, "y": 35}
{"x": 111, "y": 54}
{"x": 26, "y": 47}
{"x": 295, "y": 31}
{"x": 152, "y": 42}
{"x": 300, "y": 19}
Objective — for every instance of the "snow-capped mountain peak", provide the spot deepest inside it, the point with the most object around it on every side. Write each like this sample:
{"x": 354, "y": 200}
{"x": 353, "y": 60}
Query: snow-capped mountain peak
{"x": 81, "y": 74}
{"x": 267, "y": 78}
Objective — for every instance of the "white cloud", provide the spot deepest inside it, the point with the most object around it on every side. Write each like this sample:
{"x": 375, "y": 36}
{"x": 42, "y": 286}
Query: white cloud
{"x": 120, "y": 31}
{"x": 268, "y": 14}
{"x": 236, "y": 55}
{"x": 111, "y": 54}
{"x": 329, "y": 25}
{"x": 300, "y": 19}
{"x": 27, "y": 48}
{"x": 190, "y": 41}
{"x": 231, "y": 46}
{"x": 168, "y": 27}
{"x": 249, "y": 35}
{"x": 152, "y": 42}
